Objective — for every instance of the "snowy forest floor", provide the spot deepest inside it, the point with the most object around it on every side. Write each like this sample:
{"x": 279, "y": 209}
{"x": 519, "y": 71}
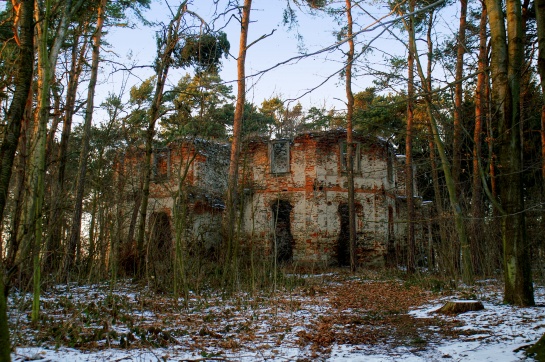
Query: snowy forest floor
{"x": 335, "y": 317}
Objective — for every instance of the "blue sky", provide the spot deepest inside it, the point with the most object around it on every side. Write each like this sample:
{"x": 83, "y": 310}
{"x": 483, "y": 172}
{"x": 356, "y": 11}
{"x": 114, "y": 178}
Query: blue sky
{"x": 288, "y": 81}
{"x": 137, "y": 46}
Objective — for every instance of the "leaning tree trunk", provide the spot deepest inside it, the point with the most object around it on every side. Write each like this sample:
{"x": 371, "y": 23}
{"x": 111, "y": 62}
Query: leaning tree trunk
{"x": 438, "y": 197}
{"x": 164, "y": 61}
{"x": 23, "y": 80}
{"x": 467, "y": 268}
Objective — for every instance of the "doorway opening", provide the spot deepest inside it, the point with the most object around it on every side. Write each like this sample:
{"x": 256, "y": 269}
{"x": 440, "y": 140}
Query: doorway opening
{"x": 343, "y": 242}
{"x": 283, "y": 239}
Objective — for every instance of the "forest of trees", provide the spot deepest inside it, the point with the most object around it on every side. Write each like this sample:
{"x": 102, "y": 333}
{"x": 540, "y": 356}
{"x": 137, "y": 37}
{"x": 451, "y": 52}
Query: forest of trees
{"x": 467, "y": 108}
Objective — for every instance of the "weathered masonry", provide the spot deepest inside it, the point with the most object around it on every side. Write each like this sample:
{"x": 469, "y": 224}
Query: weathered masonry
{"x": 296, "y": 196}
{"x": 188, "y": 183}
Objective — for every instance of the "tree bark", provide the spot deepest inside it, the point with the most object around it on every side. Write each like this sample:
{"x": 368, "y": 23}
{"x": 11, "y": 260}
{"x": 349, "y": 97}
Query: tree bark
{"x": 74, "y": 239}
{"x": 232, "y": 186}
{"x": 476, "y": 239}
{"x": 409, "y": 177}
{"x": 349, "y": 138}
{"x": 163, "y": 63}
{"x": 506, "y": 62}
{"x": 540, "y": 25}
{"x": 457, "y": 136}
{"x": 467, "y": 270}
{"x": 52, "y": 256}
{"x": 438, "y": 197}
{"x": 23, "y": 81}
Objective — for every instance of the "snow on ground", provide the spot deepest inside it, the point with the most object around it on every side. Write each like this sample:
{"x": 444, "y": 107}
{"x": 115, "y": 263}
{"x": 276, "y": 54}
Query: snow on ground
{"x": 329, "y": 317}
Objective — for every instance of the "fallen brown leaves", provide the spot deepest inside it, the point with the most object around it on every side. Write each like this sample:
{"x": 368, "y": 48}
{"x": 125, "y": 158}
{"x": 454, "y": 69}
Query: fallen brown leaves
{"x": 372, "y": 312}
{"x": 339, "y": 309}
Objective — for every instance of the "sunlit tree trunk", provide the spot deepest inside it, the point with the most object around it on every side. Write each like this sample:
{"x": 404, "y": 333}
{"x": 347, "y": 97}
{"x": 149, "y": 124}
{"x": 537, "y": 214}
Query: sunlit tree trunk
{"x": 476, "y": 239}
{"x": 349, "y": 137}
{"x": 232, "y": 186}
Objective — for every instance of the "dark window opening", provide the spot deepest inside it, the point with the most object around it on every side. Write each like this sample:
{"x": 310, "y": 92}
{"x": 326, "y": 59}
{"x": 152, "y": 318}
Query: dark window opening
{"x": 390, "y": 163}
{"x": 343, "y": 148}
{"x": 161, "y": 165}
{"x": 279, "y": 155}
{"x": 283, "y": 240}
{"x": 161, "y": 233}
{"x": 343, "y": 242}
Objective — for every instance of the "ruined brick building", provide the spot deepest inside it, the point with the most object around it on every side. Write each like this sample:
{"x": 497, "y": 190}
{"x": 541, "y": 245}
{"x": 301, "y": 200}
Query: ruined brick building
{"x": 298, "y": 193}
{"x": 191, "y": 174}
{"x": 294, "y": 195}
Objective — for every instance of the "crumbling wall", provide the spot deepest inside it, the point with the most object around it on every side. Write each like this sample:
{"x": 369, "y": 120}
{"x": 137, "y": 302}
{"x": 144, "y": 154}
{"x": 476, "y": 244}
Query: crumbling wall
{"x": 316, "y": 187}
{"x": 194, "y": 171}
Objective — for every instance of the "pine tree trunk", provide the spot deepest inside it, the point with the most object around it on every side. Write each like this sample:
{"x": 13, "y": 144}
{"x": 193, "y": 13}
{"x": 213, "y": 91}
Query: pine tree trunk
{"x": 23, "y": 81}
{"x": 506, "y": 62}
{"x": 409, "y": 177}
{"x": 467, "y": 269}
{"x": 438, "y": 197}
{"x": 232, "y": 183}
{"x": 457, "y": 136}
{"x": 349, "y": 138}
{"x": 476, "y": 239}
{"x": 540, "y": 25}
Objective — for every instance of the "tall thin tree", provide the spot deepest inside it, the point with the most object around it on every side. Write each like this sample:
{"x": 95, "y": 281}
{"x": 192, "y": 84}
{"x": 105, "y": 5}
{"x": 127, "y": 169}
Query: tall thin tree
{"x": 23, "y": 81}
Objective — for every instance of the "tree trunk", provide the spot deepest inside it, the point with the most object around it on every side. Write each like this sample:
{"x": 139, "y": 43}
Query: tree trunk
{"x": 232, "y": 185}
{"x": 467, "y": 270}
{"x": 409, "y": 177}
{"x": 506, "y": 62}
{"x": 75, "y": 232}
{"x": 438, "y": 197}
{"x": 540, "y": 25}
{"x": 476, "y": 239}
{"x": 349, "y": 138}
{"x": 457, "y": 136}
{"x": 23, "y": 80}
{"x": 52, "y": 256}
{"x": 164, "y": 60}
